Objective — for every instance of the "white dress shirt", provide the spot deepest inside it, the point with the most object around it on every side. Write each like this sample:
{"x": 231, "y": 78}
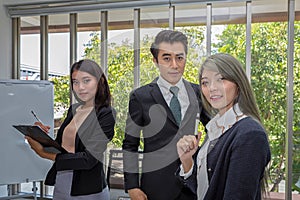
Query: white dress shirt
{"x": 182, "y": 96}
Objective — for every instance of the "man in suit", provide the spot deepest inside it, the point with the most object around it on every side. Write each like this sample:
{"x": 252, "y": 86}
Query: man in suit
{"x": 160, "y": 116}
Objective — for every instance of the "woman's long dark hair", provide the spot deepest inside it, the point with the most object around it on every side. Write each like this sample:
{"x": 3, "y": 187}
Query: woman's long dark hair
{"x": 103, "y": 96}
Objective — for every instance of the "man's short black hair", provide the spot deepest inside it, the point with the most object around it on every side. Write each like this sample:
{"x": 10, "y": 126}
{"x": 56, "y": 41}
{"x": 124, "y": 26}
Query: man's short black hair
{"x": 168, "y": 36}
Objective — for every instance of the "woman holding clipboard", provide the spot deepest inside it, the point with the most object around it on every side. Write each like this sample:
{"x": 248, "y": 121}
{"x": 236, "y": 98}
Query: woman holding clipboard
{"x": 84, "y": 134}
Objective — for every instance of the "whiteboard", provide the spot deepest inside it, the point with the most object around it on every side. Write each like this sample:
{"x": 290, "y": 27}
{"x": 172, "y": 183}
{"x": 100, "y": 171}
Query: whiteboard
{"x": 18, "y": 162}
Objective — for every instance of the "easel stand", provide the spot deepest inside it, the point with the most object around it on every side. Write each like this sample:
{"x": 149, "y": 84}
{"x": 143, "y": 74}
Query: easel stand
{"x": 13, "y": 193}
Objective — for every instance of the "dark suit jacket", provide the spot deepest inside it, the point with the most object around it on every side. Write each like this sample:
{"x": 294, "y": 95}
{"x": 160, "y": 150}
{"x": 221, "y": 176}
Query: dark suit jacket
{"x": 90, "y": 143}
{"x": 150, "y": 114}
{"x": 235, "y": 163}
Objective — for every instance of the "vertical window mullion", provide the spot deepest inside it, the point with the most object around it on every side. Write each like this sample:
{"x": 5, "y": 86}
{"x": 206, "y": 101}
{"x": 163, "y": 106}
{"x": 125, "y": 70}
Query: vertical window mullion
{"x": 290, "y": 85}
{"x": 16, "y": 31}
{"x": 172, "y": 17}
{"x": 44, "y": 47}
{"x": 104, "y": 32}
{"x": 137, "y": 28}
{"x": 73, "y": 38}
{"x": 248, "y": 39}
{"x": 208, "y": 28}
{"x": 73, "y": 46}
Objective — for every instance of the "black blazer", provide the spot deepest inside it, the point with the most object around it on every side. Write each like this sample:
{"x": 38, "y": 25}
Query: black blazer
{"x": 90, "y": 143}
{"x": 149, "y": 113}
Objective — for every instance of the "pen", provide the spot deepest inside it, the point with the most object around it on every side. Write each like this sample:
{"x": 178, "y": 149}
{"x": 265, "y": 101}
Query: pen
{"x": 197, "y": 125}
{"x": 36, "y": 117}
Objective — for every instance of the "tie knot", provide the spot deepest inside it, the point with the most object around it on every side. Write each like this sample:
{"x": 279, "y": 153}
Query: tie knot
{"x": 174, "y": 90}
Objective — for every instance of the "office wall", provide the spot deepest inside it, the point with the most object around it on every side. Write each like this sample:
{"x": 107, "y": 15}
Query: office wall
{"x": 5, "y": 43}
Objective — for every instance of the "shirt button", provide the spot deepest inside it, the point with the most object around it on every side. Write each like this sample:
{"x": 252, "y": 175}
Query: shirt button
{"x": 209, "y": 169}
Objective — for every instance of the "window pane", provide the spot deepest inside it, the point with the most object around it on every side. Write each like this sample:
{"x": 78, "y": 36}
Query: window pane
{"x": 30, "y": 39}
{"x": 59, "y": 45}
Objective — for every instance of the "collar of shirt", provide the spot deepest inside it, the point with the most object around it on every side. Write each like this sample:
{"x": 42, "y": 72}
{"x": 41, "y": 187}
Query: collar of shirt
{"x": 165, "y": 89}
{"x": 165, "y": 85}
{"x": 220, "y": 124}
{"x": 183, "y": 98}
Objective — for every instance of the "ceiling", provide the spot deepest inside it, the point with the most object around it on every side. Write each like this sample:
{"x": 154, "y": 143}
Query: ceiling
{"x": 153, "y": 13}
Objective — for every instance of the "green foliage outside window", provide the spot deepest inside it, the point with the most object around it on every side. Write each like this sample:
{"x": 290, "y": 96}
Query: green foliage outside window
{"x": 121, "y": 67}
{"x": 61, "y": 92}
{"x": 268, "y": 78}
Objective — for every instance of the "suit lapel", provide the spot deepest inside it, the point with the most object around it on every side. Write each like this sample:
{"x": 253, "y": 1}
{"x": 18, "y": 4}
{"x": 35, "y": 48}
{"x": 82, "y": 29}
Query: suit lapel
{"x": 87, "y": 123}
{"x": 159, "y": 99}
{"x": 193, "y": 107}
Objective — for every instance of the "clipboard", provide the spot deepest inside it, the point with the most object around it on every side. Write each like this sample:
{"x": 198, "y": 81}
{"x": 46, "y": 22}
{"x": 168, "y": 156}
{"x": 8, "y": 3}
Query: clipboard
{"x": 36, "y": 133}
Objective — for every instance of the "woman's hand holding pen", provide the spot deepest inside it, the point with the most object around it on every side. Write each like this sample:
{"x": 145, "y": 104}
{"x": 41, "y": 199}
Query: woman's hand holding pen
{"x": 45, "y": 128}
{"x": 40, "y": 123}
{"x": 186, "y": 148}
{"x": 36, "y": 146}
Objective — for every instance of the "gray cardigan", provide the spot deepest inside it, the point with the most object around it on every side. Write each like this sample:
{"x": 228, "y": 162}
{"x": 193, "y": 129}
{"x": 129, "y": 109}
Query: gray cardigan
{"x": 236, "y": 164}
